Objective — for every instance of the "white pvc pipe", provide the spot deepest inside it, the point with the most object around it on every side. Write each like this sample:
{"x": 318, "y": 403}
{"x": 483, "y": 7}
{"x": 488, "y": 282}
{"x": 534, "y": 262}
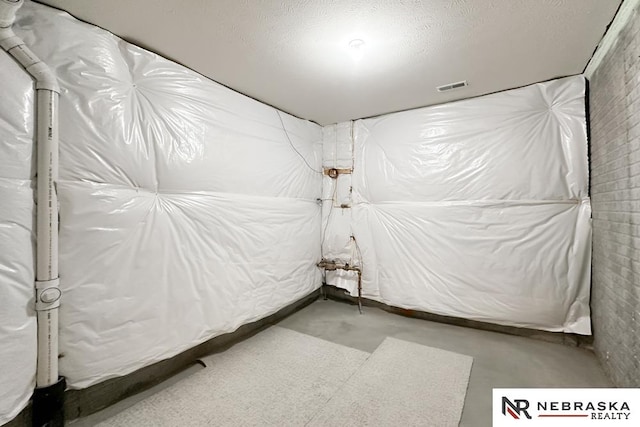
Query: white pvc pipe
{"x": 47, "y": 282}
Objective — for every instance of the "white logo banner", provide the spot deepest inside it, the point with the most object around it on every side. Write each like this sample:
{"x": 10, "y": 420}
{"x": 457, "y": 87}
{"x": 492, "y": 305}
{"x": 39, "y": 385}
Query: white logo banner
{"x": 566, "y": 407}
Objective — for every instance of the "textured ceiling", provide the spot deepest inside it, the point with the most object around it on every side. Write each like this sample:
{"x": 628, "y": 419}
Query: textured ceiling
{"x": 294, "y": 55}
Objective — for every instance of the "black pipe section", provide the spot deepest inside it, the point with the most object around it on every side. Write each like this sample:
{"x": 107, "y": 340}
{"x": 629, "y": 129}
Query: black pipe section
{"x": 48, "y": 405}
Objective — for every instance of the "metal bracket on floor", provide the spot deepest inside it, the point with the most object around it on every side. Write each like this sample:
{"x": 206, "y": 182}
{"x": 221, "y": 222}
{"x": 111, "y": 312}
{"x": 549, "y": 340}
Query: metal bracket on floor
{"x": 332, "y": 266}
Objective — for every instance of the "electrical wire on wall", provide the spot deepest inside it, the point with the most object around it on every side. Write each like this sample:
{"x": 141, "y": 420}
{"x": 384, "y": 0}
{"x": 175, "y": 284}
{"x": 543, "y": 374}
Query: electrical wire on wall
{"x": 294, "y": 147}
{"x": 359, "y": 253}
{"x": 334, "y": 195}
{"x": 353, "y": 162}
{"x": 333, "y": 202}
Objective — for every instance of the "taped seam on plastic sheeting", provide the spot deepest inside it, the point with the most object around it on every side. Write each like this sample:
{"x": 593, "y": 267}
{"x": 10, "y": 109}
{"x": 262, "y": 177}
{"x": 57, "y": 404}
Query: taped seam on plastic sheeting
{"x": 479, "y": 202}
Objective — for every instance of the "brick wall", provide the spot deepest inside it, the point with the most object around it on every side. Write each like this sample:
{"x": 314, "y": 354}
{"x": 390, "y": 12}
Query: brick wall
{"x": 614, "y": 99}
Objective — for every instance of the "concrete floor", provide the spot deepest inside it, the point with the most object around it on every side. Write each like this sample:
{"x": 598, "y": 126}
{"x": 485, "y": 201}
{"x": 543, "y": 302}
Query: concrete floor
{"x": 500, "y": 360}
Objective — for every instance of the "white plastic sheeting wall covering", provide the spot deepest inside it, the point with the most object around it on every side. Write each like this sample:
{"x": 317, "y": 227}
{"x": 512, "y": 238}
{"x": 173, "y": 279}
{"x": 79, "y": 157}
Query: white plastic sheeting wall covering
{"x": 17, "y": 228}
{"x": 475, "y": 209}
{"x": 185, "y": 212}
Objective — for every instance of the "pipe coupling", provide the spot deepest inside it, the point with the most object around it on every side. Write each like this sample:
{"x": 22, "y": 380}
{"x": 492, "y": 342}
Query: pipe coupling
{"x": 48, "y": 294}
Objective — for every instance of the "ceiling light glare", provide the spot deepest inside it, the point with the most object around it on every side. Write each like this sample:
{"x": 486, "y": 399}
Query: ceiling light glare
{"x": 356, "y": 48}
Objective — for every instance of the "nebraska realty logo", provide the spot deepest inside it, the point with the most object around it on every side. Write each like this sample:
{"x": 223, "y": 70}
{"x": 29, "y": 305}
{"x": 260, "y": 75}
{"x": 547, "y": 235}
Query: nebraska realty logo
{"x": 566, "y": 407}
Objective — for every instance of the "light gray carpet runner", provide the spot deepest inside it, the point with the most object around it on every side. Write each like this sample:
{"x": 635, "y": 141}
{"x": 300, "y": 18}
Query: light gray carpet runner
{"x": 401, "y": 384}
{"x": 284, "y": 378}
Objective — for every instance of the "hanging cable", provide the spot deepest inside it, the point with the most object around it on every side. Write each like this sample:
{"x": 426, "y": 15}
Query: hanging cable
{"x": 333, "y": 201}
{"x": 293, "y": 146}
{"x": 360, "y": 260}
